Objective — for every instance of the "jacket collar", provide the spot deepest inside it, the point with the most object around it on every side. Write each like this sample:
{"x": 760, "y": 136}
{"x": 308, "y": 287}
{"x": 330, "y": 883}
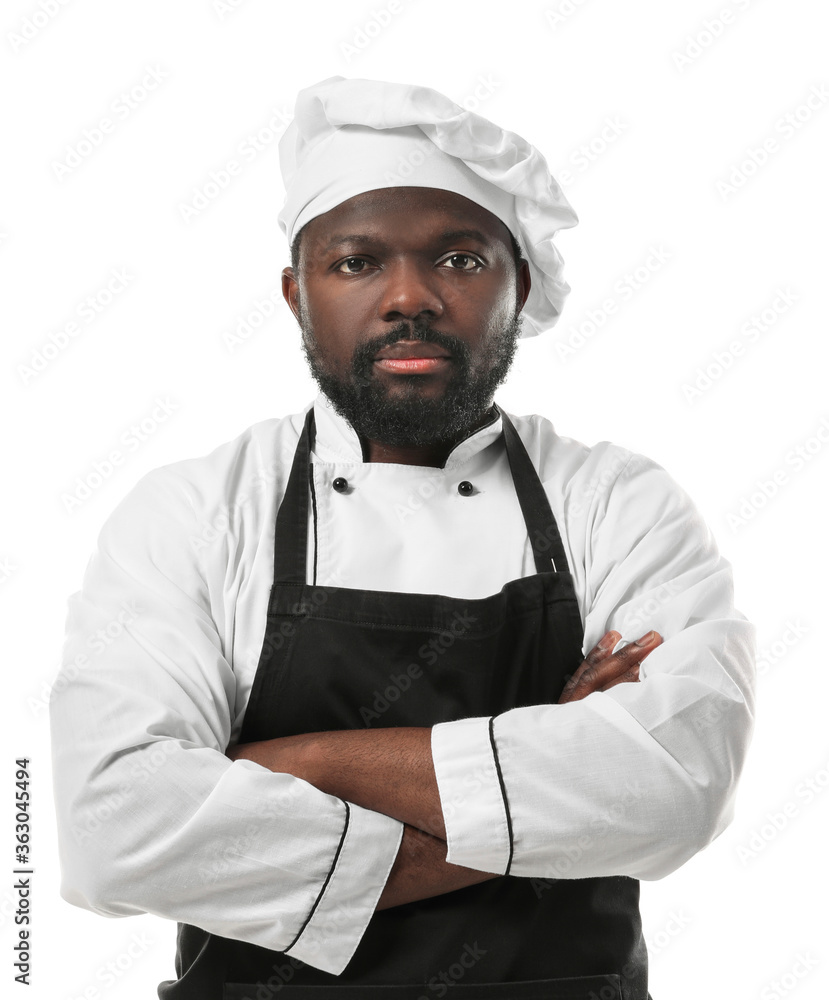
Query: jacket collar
{"x": 337, "y": 441}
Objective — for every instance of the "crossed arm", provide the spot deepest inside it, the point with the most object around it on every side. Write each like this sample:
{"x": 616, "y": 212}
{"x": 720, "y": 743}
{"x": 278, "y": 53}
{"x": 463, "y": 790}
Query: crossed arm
{"x": 391, "y": 771}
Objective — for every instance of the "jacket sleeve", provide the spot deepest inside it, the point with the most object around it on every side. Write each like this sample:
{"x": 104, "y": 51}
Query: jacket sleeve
{"x": 635, "y": 780}
{"x": 152, "y": 816}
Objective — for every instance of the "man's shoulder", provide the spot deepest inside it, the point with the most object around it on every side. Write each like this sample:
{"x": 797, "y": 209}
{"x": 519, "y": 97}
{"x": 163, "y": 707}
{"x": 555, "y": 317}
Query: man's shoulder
{"x": 586, "y": 482}
{"x": 566, "y": 459}
{"x": 234, "y": 470}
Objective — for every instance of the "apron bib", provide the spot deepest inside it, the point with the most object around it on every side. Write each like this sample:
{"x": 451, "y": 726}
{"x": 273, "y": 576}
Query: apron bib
{"x": 327, "y": 654}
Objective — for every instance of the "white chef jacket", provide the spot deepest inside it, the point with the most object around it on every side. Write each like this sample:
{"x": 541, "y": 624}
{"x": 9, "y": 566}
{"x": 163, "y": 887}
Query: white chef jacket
{"x": 163, "y": 640}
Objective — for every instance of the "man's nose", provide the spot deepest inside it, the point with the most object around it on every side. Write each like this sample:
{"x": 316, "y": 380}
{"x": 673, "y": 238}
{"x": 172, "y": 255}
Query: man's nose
{"x": 411, "y": 289}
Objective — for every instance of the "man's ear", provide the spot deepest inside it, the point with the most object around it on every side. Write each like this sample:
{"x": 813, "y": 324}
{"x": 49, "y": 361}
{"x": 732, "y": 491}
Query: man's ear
{"x": 290, "y": 290}
{"x": 524, "y": 283}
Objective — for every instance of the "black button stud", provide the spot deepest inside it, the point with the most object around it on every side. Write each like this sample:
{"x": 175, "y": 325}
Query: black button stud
{"x": 340, "y": 484}
{"x": 466, "y": 489}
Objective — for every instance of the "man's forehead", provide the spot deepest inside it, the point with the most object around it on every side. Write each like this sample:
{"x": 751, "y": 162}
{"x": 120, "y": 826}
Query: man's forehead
{"x": 433, "y": 207}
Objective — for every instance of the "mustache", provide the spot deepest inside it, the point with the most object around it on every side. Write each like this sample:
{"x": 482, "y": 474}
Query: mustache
{"x": 364, "y": 354}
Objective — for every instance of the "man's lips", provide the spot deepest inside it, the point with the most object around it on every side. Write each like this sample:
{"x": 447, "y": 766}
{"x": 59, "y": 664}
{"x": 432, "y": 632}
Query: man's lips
{"x": 412, "y": 357}
{"x": 404, "y": 349}
{"x": 413, "y": 366}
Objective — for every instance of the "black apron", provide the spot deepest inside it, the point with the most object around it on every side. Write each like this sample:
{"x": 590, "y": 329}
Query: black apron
{"x": 327, "y": 653}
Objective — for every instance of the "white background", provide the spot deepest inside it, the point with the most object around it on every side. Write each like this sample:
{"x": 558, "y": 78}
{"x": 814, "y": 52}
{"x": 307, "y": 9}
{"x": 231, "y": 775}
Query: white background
{"x": 668, "y": 108}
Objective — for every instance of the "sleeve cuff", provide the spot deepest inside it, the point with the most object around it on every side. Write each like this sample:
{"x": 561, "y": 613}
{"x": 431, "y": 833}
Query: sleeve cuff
{"x": 472, "y": 795}
{"x": 348, "y": 898}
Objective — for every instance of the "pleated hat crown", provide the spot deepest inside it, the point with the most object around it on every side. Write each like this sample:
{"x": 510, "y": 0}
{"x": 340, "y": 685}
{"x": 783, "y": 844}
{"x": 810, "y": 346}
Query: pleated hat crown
{"x": 351, "y": 136}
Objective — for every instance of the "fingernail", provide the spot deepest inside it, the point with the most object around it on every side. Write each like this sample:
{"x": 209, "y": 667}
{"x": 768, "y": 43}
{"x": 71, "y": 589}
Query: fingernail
{"x": 609, "y": 640}
{"x": 645, "y": 639}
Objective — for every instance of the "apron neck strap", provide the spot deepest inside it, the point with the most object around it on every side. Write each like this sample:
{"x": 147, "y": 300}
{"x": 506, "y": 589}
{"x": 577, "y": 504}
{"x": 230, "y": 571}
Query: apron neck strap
{"x": 291, "y": 535}
{"x": 538, "y": 516}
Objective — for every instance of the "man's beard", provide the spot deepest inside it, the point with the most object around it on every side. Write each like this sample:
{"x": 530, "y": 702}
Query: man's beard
{"x": 398, "y": 419}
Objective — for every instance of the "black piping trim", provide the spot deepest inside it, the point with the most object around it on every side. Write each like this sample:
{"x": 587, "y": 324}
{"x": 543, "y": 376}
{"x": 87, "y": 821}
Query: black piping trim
{"x": 327, "y": 878}
{"x": 314, "y": 505}
{"x": 503, "y": 792}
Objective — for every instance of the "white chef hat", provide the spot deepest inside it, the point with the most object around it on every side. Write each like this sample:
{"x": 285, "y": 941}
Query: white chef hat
{"x": 351, "y": 136}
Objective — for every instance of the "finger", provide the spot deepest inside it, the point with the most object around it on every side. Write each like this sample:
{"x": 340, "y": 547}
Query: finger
{"x": 595, "y": 676}
{"x": 584, "y": 689}
{"x": 597, "y": 665}
{"x": 636, "y": 651}
{"x": 600, "y": 652}
{"x": 625, "y": 678}
{"x": 603, "y": 648}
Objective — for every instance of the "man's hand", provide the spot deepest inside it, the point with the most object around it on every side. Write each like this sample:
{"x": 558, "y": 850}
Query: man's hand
{"x": 602, "y": 670}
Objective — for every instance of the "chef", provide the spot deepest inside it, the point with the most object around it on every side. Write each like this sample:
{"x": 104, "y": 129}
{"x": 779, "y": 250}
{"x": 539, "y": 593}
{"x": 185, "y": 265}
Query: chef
{"x": 412, "y": 691}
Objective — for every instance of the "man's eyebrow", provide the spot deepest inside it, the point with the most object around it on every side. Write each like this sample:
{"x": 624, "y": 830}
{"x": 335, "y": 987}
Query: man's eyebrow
{"x": 448, "y": 236}
{"x": 452, "y": 235}
{"x": 339, "y": 241}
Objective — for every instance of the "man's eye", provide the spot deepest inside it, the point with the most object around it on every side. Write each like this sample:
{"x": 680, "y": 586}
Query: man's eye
{"x": 349, "y": 261}
{"x": 465, "y": 257}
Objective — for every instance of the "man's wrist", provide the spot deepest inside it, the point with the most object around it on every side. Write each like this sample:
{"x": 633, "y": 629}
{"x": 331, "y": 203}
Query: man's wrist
{"x": 420, "y": 871}
{"x": 308, "y": 758}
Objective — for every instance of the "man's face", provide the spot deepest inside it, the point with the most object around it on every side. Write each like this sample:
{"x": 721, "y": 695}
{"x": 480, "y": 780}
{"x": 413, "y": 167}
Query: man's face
{"x": 396, "y": 274}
